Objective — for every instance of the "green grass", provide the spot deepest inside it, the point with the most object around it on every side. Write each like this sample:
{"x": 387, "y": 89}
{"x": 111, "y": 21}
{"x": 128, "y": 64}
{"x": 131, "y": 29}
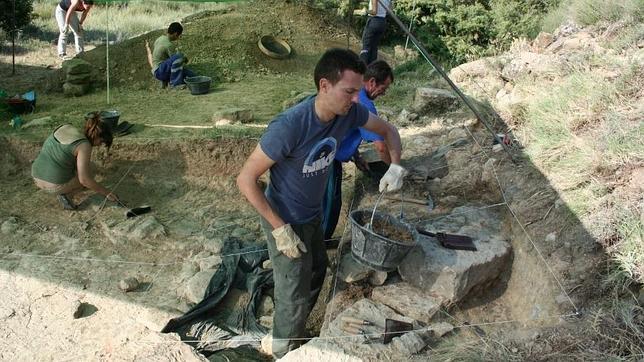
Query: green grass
{"x": 579, "y": 131}
{"x": 159, "y": 106}
{"x": 629, "y": 252}
{"x": 590, "y": 12}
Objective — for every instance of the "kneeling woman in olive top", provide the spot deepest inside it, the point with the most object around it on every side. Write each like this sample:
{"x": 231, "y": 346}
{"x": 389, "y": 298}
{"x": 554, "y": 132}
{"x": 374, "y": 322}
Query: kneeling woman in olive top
{"x": 63, "y": 164}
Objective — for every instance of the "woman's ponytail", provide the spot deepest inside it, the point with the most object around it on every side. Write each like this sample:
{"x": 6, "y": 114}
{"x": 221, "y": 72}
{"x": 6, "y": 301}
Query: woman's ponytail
{"x": 96, "y": 129}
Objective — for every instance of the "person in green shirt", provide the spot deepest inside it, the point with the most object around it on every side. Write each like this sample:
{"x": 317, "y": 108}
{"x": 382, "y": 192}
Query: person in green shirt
{"x": 63, "y": 164}
{"x": 166, "y": 62}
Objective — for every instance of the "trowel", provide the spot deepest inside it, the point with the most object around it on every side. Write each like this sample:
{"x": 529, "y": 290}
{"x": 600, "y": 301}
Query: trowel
{"x": 450, "y": 241}
{"x": 135, "y": 211}
{"x": 395, "y": 328}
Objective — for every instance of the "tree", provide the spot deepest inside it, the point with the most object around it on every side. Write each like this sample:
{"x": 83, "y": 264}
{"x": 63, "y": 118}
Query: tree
{"x": 23, "y": 9}
{"x": 15, "y": 15}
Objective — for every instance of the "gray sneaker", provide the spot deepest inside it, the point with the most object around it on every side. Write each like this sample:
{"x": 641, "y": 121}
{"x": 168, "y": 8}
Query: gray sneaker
{"x": 66, "y": 202}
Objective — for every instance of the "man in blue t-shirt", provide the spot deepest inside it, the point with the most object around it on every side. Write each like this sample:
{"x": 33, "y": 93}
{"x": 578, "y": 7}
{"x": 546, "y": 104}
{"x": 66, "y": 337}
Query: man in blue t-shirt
{"x": 377, "y": 79}
{"x": 298, "y": 147}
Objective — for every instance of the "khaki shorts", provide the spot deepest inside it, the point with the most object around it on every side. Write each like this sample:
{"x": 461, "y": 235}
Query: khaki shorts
{"x": 73, "y": 185}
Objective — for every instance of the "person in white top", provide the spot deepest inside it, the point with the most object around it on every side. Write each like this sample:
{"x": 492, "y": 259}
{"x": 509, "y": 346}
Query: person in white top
{"x": 374, "y": 29}
{"x": 67, "y": 18}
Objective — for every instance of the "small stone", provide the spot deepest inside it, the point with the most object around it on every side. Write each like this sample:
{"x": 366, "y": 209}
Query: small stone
{"x": 234, "y": 115}
{"x": 267, "y": 345}
{"x": 514, "y": 350}
{"x": 440, "y": 329}
{"x": 457, "y": 133}
{"x": 497, "y": 148}
{"x": 409, "y": 343}
{"x": 378, "y": 278}
{"x": 551, "y": 237}
{"x": 213, "y": 245}
{"x": 211, "y": 262}
{"x": 223, "y": 122}
{"x": 267, "y": 264}
{"x": 128, "y": 284}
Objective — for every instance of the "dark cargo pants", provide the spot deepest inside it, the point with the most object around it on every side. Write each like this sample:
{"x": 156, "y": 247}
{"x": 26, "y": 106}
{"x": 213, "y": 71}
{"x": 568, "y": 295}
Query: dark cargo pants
{"x": 371, "y": 35}
{"x": 297, "y": 285}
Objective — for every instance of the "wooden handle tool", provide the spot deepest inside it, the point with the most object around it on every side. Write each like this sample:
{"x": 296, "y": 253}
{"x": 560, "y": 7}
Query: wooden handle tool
{"x": 358, "y": 321}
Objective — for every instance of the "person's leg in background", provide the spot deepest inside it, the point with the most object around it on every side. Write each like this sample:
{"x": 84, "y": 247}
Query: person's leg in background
{"x": 163, "y": 71}
{"x": 177, "y": 73}
{"x": 332, "y": 201}
{"x": 373, "y": 32}
{"x": 74, "y": 24}
{"x": 59, "y": 14}
{"x": 63, "y": 192}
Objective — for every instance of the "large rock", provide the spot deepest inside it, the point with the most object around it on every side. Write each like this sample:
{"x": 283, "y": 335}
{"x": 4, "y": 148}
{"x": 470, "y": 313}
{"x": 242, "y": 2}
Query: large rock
{"x": 480, "y": 77}
{"x": 77, "y": 66}
{"x": 542, "y": 41}
{"x": 533, "y": 64}
{"x": 451, "y": 274}
{"x": 415, "y": 304}
{"x": 434, "y": 101}
{"x": 196, "y": 286}
{"x": 334, "y": 344}
{"x": 85, "y": 78}
{"x": 134, "y": 229}
{"x": 480, "y": 68}
{"x": 75, "y": 90}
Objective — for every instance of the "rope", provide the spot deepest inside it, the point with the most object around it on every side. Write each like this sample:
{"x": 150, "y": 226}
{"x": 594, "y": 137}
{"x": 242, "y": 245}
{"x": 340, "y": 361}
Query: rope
{"x": 370, "y": 335}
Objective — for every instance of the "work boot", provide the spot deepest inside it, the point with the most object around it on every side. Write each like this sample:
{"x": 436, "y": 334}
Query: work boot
{"x": 66, "y": 202}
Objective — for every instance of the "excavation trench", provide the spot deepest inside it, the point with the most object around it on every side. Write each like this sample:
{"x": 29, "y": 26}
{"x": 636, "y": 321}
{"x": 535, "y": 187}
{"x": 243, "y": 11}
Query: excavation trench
{"x": 190, "y": 185}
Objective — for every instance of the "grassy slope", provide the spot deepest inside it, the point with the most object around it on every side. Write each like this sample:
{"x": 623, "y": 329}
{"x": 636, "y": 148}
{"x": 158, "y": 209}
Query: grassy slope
{"x": 585, "y": 130}
{"x": 221, "y": 44}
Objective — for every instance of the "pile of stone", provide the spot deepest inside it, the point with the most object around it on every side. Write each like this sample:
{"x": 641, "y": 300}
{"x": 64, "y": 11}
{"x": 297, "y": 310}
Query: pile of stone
{"x": 433, "y": 278}
{"x": 78, "y": 77}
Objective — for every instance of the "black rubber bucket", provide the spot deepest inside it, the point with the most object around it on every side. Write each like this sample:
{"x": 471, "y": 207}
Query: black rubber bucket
{"x": 199, "y": 84}
{"x": 377, "y": 251}
{"x": 110, "y": 118}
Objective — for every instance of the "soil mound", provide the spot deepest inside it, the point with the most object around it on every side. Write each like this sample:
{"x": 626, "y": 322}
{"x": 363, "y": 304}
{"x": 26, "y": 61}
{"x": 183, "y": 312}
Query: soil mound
{"x": 223, "y": 44}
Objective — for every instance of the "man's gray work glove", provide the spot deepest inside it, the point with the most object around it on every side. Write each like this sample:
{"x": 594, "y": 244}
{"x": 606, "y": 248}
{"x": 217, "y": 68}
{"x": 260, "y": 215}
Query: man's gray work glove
{"x": 288, "y": 242}
{"x": 393, "y": 178}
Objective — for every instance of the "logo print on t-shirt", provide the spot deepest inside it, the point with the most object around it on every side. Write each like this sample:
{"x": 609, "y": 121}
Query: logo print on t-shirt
{"x": 320, "y": 157}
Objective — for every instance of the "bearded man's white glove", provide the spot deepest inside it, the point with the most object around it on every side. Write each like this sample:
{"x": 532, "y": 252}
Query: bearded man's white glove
{"x": 393, "y": 178}
{"x": 288, "y": 242}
